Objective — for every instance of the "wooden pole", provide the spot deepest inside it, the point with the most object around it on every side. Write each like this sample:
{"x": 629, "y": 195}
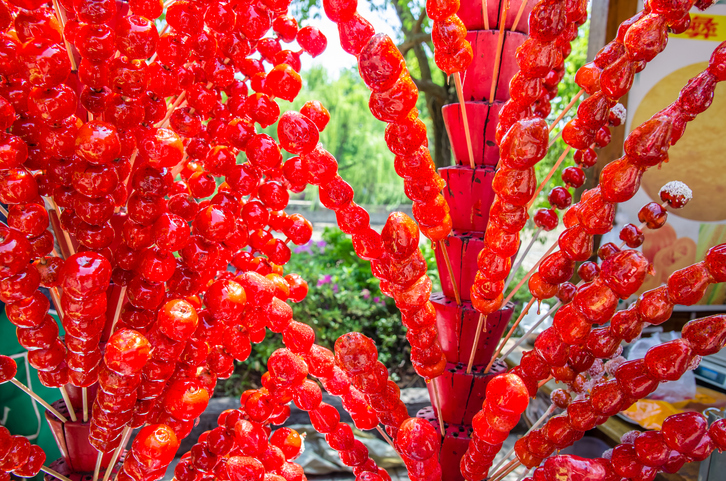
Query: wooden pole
{"x": 449, "y": 267}
{"x": 39, "y": 399}
{"x": 462, "y": 104}
{"x": 67, "y": 400}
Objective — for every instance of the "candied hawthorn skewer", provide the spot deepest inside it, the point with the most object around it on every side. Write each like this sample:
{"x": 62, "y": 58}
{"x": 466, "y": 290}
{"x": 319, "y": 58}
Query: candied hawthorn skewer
{"x": 127, "y": 352}
{"x": 403, "y": 273}
{"x": 19, "y": 457}
{"x": 629, "y": 382}
{"x": 685, "y": 437}
{"x": 383, "y": 70}
{"x": 417, "y": 441}
{"x": 687, "y": 287}
{"x": 152, "y": 451}
{"x": 620, "y": 179}
{"x": 84, "y": 278}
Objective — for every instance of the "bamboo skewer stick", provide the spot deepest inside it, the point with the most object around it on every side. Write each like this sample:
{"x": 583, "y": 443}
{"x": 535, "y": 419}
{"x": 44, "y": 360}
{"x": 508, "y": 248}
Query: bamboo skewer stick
{"x": 97, "y": 468}
{"x": 170, "y": 110}
{"x": 498, "y": 57}
{"x": 462, "y": 103}
{"x": 485, "y": 14}
{"x": 519, "y": 15}
{"x": 124, "y": 439}
{"x": 66, "y": 236}
{"x": 84, "y": 397}
{"x": 554, "y": 139}
{"x": 523, "y": 475}
{"x": 56, "y": 302}
{"x": 38, "y": 399}
{"x": 549, "y": 176}
{"x": 449, "y": 267}
{"x": 566, "y": 109}
{"x": 540, "y": 321}
{"x": 480, "y": 325}
{"x": 386, "y": 437}
{"x": 527, "y": 276}
{"x": 543, "y": 382}
{"x": 542, "y": 418}
{"x": 509, "y": 334}
{"x": 54, "y": 473}
{"x": 62, "y": 21}
{"x": 437, "y": 398}
{"x": 119, "y": 306}
{"x": 519, "y": 261}
{"x": 67, "y": 400}
{"x": 510, "y": 466}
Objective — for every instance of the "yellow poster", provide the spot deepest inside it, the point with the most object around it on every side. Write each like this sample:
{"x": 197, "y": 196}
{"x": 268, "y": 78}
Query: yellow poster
{"x": 705, "y": 27}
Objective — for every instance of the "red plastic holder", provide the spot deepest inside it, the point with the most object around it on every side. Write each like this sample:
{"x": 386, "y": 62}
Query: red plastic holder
{"x": 453, "y": 447}
{"x": 471, "y": 13}
{"x": 463, "y": 249}
{"x": 461, "y": 394}
{"x": 72, "y": 440}
{"x": 477, "y": 81}
{"x": 457, "y": 329}
{"x": 482, "y": 118}
{"x": 469, "y": 195}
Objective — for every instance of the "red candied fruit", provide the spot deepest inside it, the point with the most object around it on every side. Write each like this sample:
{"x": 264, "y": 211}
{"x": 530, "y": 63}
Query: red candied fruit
{"x": 355, "y": 352}
{"x": 508, "y": 393}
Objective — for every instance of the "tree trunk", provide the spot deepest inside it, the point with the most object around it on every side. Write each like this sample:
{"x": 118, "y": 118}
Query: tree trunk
{"x": 441, "y": 151}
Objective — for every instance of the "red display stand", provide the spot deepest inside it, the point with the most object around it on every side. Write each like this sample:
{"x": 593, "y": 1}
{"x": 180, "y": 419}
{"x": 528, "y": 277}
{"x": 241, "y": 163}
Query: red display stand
{"x": 469, "y": 194}
{"x": 463, "y": 249}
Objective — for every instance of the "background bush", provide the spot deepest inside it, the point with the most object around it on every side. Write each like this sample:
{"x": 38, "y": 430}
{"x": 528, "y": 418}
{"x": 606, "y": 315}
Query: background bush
{"x": 343, "y": 297}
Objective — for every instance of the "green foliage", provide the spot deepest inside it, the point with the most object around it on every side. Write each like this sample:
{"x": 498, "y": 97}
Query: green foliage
{"x": 566, "y": 91}
{"x": 343, "y": 297}
{"x": 353, "y": 136}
